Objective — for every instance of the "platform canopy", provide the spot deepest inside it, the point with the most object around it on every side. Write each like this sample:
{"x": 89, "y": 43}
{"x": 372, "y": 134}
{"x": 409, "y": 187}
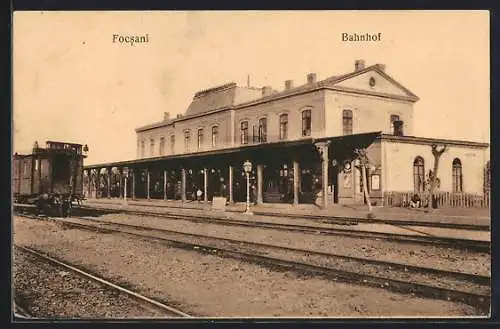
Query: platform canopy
{"x": 339, "y": 147}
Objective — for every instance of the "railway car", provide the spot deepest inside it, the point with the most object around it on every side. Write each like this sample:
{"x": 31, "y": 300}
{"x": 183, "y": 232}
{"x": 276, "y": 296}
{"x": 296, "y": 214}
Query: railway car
{"x": 51, "y": 176}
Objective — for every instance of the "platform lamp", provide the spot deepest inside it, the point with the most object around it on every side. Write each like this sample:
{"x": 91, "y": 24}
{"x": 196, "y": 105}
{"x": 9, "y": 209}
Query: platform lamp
{"x": 85, "y": 150}
{"x": 247, "y": 167}
{"x": 125, "y": 173}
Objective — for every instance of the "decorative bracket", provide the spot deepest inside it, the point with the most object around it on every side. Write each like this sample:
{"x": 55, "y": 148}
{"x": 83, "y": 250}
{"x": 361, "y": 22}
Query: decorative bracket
{"x": 321, "y": 147}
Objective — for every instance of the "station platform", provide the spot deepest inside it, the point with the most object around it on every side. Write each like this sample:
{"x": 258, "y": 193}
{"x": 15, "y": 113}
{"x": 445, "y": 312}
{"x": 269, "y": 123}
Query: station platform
{"x": 472, "y": 219}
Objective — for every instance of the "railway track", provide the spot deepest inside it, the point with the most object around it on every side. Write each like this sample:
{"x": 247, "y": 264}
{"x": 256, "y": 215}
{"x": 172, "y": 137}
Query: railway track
{"x": 169, "y": 311}
{"x": 468, "y": 244}
{"x": 419, "y": 281}
{"x": 21, "y": 313}
{"x": 338, "y": 219}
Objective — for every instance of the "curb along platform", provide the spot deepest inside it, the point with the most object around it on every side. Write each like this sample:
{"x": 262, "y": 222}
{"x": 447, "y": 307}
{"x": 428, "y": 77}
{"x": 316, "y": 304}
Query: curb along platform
{"x": 478, "y": 219}
{"x": 452, "y": 226}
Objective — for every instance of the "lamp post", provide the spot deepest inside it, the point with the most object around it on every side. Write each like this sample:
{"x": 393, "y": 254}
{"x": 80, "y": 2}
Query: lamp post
{"x": 125, "y": 173}
{"x": 247, "y": 167}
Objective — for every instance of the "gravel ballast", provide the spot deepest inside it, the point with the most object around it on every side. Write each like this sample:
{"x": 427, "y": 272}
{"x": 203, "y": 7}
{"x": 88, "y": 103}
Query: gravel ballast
{"x": 308, "y": 257}
{"x": 207, "y": 285}
{"x": 49, "y": 291}
{"x": 448, "y": 259}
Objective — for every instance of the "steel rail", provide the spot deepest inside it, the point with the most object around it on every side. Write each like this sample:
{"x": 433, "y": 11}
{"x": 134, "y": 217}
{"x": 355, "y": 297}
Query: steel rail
{"x": 476, "y": 245}
{"x": 480, "y": 301}
{"x": 20, "y": 312}
{"x": 128, "y": 292}
{"x": 337, "y": 219}
{"x": 476, "y": 278}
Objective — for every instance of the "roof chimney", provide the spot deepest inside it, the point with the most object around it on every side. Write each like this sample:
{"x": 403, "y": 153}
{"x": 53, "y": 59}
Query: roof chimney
{"x": 311, "y": 78}
{"x": 166, "y": 116}
{"x": 381, "y": 67}
{"x": 359, "y": 65}
{"x": 288, "y": 84}
{"x": 266, "y": 90}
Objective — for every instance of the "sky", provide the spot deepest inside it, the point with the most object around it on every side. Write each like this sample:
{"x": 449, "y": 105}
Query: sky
{"x": 72, "y": 83}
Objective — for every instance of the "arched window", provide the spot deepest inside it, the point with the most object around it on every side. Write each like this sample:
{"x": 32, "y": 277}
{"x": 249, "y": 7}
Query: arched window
{"x": 306, "y": 123}
{"x": 457, "y": 175}
{"x": 200, "y": 138}
{"x": 418, "y": 174}
{"x": 283, "y": 126}
{"x": 244, "y": 132}
{"x": 347, "y": 122}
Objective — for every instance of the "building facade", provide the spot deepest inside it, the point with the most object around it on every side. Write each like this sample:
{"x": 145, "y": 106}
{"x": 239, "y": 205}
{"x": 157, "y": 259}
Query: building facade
{"x": 301, "y": 140}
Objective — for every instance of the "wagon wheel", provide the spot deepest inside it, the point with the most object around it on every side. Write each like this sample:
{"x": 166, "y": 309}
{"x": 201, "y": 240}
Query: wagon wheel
{"x": 60, "y": 209}
{"x": 39, "y": 207}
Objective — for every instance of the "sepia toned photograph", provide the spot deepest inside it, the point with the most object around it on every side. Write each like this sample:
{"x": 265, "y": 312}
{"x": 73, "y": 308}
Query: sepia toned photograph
{"x": 250, "y": 164}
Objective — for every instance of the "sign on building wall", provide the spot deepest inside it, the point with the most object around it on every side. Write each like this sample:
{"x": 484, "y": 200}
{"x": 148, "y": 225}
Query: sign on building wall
{"x": 347, "y": 174}
{"x": 375, "y": 183}
{"x": 347, "y": 180}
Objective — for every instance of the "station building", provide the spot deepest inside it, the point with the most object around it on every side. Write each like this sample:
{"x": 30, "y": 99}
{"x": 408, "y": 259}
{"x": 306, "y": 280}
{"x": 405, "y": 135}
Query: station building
{"x": 300, "y": 140}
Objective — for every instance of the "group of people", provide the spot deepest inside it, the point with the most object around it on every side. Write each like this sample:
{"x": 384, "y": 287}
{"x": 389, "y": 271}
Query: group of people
{"x": 197, "y": 194}
{"x": 415, "y": 201}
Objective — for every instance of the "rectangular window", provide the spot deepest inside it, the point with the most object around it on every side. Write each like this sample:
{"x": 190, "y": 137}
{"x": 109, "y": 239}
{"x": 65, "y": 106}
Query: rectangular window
{"x": 244, "y": 132}
{"x": 152, "y": 147}
{"x": 215, "y": 135}
{"x": 306, "y": 123}
{"x": 394, "y": 117}
{"x": 283, "y": 126}
{"x": 187, "y": 140}
{"x": 255, "y": 134}
{"x": 172, "y": 144}
{"x": 347, "y": 122}
{"x": 200, "y": 139}
{"x": 143, "y": 149}
{"x": 162, "y": 146}
{"x": 263, "y": 130}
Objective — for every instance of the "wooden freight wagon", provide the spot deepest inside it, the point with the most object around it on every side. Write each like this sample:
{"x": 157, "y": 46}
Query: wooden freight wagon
{"x": 53, "y": 171}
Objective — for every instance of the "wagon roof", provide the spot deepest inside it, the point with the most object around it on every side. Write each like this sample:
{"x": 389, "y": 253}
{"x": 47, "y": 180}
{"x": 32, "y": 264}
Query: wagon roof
{"x": 59, "y": 142}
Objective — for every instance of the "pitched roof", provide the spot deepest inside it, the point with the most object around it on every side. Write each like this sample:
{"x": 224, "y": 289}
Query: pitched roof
{"x": 230, "y": 95}
{"x": 331, "y": 82}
